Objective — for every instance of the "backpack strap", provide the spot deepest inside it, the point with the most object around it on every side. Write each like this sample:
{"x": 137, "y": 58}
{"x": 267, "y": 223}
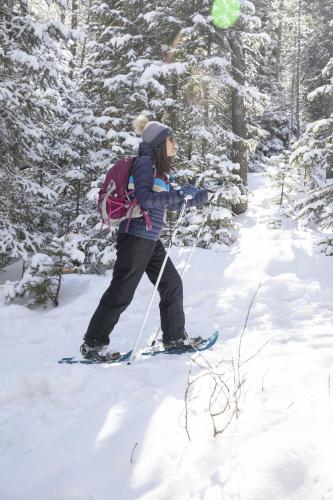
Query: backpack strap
{"x": 135, "y": 203}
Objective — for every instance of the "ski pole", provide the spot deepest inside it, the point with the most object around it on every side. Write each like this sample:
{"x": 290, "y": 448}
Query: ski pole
{"x": 173, "y": 237}
{"x": 187, "y": 261}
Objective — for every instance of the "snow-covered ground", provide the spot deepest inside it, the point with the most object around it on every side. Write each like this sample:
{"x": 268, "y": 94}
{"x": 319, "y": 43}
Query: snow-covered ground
{"x": 118, "y": 432}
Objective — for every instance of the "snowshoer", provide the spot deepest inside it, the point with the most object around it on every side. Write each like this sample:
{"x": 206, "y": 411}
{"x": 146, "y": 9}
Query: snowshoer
{"x": 140, "y": 250}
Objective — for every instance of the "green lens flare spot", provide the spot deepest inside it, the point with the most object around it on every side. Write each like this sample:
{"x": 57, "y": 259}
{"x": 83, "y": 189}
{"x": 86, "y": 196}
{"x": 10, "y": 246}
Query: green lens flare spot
{"x": 225, "y": 12}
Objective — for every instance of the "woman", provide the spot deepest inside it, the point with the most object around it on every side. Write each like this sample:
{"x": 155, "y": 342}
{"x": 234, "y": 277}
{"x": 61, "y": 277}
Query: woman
{"x": 139, "y": 250}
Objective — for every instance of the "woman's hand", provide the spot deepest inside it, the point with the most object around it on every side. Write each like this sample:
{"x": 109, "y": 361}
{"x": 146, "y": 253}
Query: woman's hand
{"x": 189, "y": 191}
{"x": 198, "y": 196}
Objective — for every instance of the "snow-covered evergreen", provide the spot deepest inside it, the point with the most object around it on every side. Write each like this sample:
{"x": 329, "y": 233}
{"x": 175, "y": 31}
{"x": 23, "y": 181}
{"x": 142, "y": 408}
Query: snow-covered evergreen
{"x": 247, "y": 87}
{"x": 31, "y": 64}
{"x": 73, "y": 77}
{"x": 312, "y": 156}
{"x": 271, "y": 125}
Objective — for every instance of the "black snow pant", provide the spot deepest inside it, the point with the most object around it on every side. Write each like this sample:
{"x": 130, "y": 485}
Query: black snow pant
{"x": 134, "y": 257}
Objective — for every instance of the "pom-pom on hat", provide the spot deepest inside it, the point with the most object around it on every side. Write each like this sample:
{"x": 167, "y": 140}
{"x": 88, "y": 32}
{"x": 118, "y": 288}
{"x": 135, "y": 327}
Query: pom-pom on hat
{"x": 154, "y": 133}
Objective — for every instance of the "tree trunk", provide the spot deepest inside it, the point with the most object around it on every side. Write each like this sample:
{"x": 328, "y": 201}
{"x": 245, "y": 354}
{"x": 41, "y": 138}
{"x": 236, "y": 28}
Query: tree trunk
{"x": 205, "y": 99}
{"x": 63, "y": 14}
{"x": 279, "y": 45}
{"x": 83, "y": 53}
{"x": 298, "y": 70}
{"x": 78, "y": 199}
{"x": 291, "y": 116}
{"x": 238, "y": 111}
{"x": 74, "y": 25}
{"x": 329, "y": 168}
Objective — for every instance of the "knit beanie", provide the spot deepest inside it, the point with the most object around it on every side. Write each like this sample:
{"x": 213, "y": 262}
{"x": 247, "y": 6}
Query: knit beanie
{"x": 154, "y": 133}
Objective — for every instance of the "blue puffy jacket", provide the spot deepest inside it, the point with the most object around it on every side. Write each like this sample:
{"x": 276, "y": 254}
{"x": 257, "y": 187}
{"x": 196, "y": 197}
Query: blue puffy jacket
{"x": 155, "y": 194}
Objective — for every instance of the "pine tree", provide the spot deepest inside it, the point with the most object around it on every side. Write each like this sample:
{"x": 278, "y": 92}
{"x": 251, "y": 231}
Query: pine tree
{"x": 111, "y": 75}
{"x": 109, "y": 81}
{"x": 312, "y": 154}
{"x": 195, "y": 94}
{"x": 41, "y": 281}
{"x": 269, "y": 126}
{"x": 30, "y": 65}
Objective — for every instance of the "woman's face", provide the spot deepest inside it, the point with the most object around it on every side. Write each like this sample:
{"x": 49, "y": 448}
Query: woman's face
{"x": 171, "y": 146}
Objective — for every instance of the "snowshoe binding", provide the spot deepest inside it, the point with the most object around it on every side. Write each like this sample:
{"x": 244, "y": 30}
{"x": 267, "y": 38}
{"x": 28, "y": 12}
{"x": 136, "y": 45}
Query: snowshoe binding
{"x": 187, "y": 344}
{"x": 98, "y": 353}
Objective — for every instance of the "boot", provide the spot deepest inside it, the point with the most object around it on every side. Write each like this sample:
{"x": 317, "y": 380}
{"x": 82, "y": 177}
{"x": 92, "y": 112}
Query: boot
{"x": 98, "y": 353}
{"x": 183, "y": 344}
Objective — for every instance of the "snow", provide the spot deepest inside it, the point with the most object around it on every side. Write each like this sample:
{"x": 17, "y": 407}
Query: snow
{"x": 119, "y": 41}
{"x": 320, "y": 91}
{"x": 220, "y": 213}
{"x": 78, "y": 130}
{"x": 199, "y": 19}
{"x": 74, "y": 174}
{"x": 161, "y": 69}
{"x": 22, "y": 57}
{"x": 118, "y": 432}
{"x": 220, "y": 62}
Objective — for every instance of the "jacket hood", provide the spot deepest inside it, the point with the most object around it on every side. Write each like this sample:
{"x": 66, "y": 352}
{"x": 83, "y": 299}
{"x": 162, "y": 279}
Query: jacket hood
{"x": 146, "y": 149}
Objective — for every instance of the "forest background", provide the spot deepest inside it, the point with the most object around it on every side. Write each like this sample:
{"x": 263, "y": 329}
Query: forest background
{"x": 73, "y": 76}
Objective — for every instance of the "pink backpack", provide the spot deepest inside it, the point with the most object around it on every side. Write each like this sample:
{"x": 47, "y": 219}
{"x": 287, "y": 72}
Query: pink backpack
{"x": 115, "y": 202}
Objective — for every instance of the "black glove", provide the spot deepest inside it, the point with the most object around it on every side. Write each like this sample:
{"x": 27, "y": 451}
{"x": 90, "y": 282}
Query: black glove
{"x": 189, "y": 191}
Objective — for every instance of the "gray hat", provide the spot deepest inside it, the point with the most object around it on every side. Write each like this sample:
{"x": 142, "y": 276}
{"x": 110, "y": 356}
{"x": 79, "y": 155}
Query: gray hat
{"x": 154, "y": 133}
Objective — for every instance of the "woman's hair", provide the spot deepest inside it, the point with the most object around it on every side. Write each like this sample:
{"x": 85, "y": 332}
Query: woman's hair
{"x": 162, "y": 160}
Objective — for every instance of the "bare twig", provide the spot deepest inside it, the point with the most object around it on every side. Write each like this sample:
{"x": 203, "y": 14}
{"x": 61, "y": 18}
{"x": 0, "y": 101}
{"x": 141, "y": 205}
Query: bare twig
{"x": 133, "y": 450}
{"x": 186, "y": 402}
{"x": 228, "y": 423}
{"x": 262, "y": 384}
{"x": 217, "y": 407}
{"x": 244, "y": 328}
{"x": 258, "y": 352}
{"x": 210, "y": 409}
{"x": 215, "y": 394}
{"x": 210, "y": 369}
{"x": 210, "y": 372}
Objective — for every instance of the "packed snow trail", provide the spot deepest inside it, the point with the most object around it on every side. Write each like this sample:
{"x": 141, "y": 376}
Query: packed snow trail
{"x": 117, "y": 432}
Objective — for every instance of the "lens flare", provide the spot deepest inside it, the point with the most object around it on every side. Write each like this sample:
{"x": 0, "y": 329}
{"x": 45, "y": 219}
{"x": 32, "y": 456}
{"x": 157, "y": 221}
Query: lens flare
{"x": 225, "y": 12}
